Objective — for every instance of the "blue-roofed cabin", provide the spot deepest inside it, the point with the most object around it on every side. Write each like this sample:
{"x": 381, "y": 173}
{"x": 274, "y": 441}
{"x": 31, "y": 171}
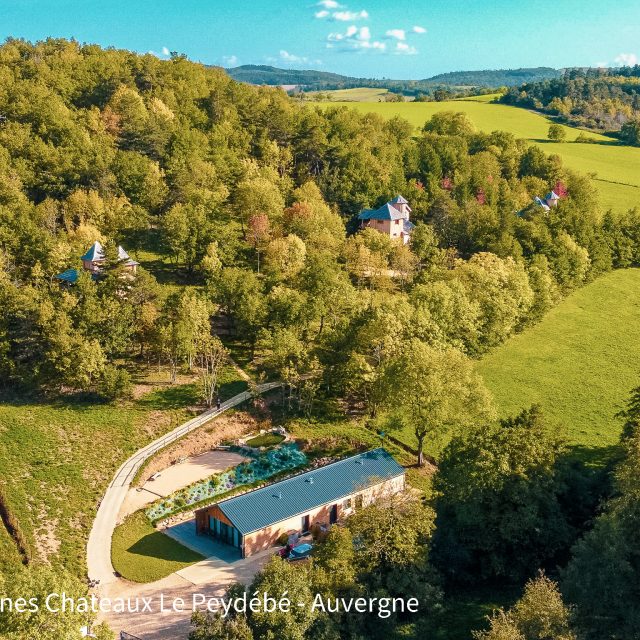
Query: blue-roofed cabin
{"x": 551, "y": 199}
{"x": 93, "y": 260}
{"x": 256, "y": 520}
{"x": 392, "y": 219}
{"x": 70, "y": 276}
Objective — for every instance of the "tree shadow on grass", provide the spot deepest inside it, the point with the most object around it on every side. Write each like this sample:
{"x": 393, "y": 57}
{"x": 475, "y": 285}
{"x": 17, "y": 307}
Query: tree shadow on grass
{"x": 176, "y": 396}
{"x": 594, "y": 457}
{"x": 606, "y": 143}
{"x": 158, "y": 545}
{"x": 179, "y": 396}
{"x": 80, "y": 400}
{"x": 232, "y": 388}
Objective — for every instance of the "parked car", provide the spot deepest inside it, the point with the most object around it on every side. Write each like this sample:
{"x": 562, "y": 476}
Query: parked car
{"x": 285, "y": 551}
{"x": 300, "y": 552}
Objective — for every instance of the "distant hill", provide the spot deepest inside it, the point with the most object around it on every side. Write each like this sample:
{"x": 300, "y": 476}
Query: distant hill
{"x": 311, "y": 80}
{"x": 263, "y": 74}
{"x": 495, "y": 78}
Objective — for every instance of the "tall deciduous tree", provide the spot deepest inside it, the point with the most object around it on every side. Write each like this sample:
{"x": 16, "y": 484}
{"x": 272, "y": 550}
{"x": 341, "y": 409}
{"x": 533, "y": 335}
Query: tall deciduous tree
{"x": 540, "y": 614}
{"x": 498, "y": 509}
{"x": 434, "y": 390}
{"x": 210, "y": 358}
{"x": 603, "y": 577}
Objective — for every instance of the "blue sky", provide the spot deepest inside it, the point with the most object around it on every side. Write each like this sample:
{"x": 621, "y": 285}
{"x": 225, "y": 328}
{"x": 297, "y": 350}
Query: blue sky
{"x": 371, "y": 38}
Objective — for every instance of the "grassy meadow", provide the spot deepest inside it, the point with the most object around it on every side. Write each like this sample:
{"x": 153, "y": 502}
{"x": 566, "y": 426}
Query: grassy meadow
{"x": 580, "y": 363}
{"x": 616, "y": 167}
{"x": 57, "y": 457}
{"x": 141, "y": 553}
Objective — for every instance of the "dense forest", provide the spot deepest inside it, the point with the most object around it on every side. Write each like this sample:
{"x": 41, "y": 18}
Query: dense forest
{"x": 607, "y": 99}
{"x": 240, "y": 204}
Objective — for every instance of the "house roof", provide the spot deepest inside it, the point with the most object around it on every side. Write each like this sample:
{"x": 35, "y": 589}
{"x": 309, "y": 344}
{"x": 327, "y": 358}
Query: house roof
{"x": 263, "y": 507}
{"x": 70, "y": 276}
{"x": 542, "y": 203}
{"x": 95, "y": 253}
{"x": 408, "y": 226}
{"x": 552, "y": 195}
{"x": 386, "y": 212}
{"x": 400, "y": 200}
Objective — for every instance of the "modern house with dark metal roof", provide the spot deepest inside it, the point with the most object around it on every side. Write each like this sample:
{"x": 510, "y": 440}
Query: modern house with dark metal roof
{"x": 256, "y": 520}
{"x": 392, "y": 219}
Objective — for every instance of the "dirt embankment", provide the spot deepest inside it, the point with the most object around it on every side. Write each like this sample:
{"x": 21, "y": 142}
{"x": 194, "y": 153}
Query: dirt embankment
{"x": 228, "y": 426}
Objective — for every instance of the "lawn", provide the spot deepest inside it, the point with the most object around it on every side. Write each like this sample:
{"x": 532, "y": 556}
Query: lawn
{"x": 617, "y": 167}
{"x": 580, "y": 362}
{"x": 265, "y": 440}
{"x": 57, "y": 457}
{"x": 141, "y": 553}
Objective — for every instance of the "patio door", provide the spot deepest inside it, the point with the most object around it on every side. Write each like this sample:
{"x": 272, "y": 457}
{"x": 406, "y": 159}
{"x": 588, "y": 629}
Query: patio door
{"x": 305, "y": 523}
{"x": 333, "y": 514}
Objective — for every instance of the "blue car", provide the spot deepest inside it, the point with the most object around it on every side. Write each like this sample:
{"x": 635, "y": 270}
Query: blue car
{"x": 300, "y": 552}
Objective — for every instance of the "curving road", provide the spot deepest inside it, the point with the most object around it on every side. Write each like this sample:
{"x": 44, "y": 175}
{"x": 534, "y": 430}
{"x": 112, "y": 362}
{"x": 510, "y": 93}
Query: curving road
{"x": 99, "y": 565}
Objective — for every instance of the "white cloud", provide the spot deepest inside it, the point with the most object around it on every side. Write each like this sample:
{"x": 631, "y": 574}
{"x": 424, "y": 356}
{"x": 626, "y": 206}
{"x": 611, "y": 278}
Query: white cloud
{"x": 347, "y": 16}
{"x": 399, "y": 34}
{"x": 418, "y": 29}
{"x": 402, "y": 48}
{"x": 328, "y": 4}
{"x": 165, "y": 51}
{"x": 321, "y": 14}
{"x": 286, "y": 57}
{"x": 291, "y": 57}
{"x": 626, "y": 59}
{"x": 355, "y": 39}
{"x": 231, "y": 61}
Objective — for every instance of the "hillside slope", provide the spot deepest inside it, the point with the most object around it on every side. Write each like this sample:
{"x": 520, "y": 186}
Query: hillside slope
{"x": 495, "y": 77}
{"x": 580, "y": 362}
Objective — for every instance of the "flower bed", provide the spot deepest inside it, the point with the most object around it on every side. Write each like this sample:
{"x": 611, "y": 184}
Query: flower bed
{"x": 261, "y": 468}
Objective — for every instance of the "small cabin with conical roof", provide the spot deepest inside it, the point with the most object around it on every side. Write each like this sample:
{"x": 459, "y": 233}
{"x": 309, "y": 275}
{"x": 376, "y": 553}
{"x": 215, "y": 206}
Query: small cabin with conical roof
{"x": 93, "y": 261}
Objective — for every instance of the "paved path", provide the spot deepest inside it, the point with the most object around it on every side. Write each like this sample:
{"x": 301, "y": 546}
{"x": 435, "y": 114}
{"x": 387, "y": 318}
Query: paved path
{"x": 99, "y": 565}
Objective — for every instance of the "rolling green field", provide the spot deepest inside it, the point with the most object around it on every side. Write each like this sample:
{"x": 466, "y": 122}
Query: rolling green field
{"x": 580, "y": 363}
{"x": 360, "y": 94}
{"x": 617, "y": 167}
